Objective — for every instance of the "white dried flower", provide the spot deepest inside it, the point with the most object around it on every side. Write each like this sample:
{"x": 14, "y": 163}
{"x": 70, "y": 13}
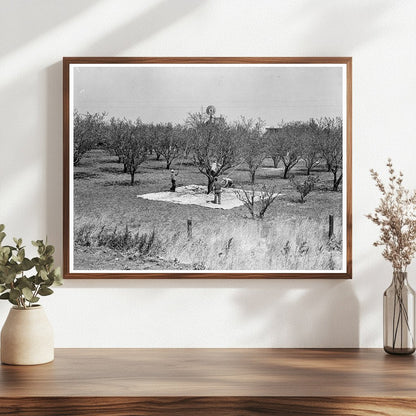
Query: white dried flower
{"x": 396, "y": 217}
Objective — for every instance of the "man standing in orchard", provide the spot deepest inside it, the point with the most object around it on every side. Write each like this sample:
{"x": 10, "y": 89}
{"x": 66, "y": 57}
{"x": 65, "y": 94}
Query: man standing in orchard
{"x": 173, "y": 176}
{"x": 217, "y": 191}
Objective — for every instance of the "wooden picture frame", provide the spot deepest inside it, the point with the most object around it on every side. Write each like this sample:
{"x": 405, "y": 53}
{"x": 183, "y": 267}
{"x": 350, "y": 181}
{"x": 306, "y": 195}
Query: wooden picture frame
{"x": 301, "y": 101}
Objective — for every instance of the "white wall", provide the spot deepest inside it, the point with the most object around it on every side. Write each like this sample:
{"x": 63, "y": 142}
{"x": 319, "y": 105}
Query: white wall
{"x": 380, "y": 35}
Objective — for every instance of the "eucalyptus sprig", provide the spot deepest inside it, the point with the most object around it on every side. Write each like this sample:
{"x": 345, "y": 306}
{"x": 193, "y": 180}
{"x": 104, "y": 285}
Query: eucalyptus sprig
{"x": 16, "y": 285}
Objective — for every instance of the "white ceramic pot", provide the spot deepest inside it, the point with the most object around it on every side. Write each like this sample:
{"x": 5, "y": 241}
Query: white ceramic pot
{"x": 27, "y": 337}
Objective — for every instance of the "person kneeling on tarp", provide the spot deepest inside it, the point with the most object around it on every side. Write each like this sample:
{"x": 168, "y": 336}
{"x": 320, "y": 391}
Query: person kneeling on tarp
{"x": 217, "y": 191}
{"x": 227, "y": 182}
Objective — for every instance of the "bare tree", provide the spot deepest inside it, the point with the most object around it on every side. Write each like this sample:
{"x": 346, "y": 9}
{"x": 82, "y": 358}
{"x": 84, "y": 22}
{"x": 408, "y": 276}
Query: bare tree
{"x": 214, "y": 145}
{"x": 304, "y": 187}
{"x": 136, "y": 147}
{"x": 257, "y": 199}
{"x": 153, "y": 138}
{"x": 273, "y": 145}
{"x": 284, "y": 144}
{"x": 330, "y": 144}
{"x": 87, "y": 132}
{"x": 168, "y": 141}
{"x": 115, "y": 135}
{"x": 309, "y": 145}
{"x": 253, "y": 146}
{"x": 129, "y": 141}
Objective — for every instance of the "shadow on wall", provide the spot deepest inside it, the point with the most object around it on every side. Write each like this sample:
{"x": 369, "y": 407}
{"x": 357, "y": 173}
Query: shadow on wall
{"x": 301, "y": 313}
{"x": 348, "y": 25}
{"x": 158, "y": 17}
{"x": 44, "y": 17}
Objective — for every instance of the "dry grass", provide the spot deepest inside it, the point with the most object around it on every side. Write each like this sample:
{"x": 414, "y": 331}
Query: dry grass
{"x": 292, "y": 236}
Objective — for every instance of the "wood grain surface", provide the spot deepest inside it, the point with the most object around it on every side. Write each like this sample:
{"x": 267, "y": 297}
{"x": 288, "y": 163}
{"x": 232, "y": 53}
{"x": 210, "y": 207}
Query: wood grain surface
{"x": 212, "y": 381}
{"x": 208, "y": 406}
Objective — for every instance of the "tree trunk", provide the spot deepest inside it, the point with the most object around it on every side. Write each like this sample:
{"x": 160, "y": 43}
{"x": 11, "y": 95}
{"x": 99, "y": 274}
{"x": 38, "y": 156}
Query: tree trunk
{"x": 286, "y": 171}
{"x": 275, "y": 161}
{"x": 125, "y": 168}
{"x": 168, "y": 163}
{"x": 210, "y": 183}
{"x": 308, "y": 170}
{"x": 158, "y": 156}
{"x": 336, "y": 181}
{"x": 253, "y": 176}
{"x": 132, "y": 178}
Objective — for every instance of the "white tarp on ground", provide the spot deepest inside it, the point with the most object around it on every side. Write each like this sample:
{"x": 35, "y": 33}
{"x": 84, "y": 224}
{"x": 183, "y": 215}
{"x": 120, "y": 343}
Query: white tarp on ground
{"x": 196, "y": 195}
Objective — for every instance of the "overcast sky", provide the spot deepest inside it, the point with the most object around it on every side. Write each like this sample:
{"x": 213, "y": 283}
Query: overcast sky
{"x": 168, "y": 94}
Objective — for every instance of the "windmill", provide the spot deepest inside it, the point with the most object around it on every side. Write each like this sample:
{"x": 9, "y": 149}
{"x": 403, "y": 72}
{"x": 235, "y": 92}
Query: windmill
{"x": 210, "y": 111}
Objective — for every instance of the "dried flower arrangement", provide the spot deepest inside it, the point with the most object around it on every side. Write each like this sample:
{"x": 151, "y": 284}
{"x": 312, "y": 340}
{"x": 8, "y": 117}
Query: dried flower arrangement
{"x": 396, "y": 216}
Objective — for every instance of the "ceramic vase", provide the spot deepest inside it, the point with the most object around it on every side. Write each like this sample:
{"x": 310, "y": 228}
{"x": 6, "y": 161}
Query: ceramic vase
{"x": 27, "y": 337}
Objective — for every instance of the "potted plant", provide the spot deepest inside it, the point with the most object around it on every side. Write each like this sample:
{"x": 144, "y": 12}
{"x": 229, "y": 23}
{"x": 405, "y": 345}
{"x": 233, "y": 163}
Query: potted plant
{"x": 27, "y": 336}
{"x": 396, "y": 217}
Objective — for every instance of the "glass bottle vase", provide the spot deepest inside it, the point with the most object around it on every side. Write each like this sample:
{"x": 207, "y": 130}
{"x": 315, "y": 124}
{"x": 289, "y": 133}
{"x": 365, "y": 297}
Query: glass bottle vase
{"x": 399, "y": 316}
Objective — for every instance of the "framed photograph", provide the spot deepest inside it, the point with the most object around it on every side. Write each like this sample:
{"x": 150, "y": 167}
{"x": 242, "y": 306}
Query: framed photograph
{"x": 207, "y": 168}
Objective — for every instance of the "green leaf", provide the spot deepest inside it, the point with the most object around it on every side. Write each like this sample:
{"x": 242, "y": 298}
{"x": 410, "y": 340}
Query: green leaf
{"x": 21, "y": 255}
{"x": 58, "y": 281}
{"x": 2, "y": 227}
{"x": 2, "y": 236}
{"x": 45, "y": 291}
{"x": 3, "y": 270}
{"x": 24, "y": 282}
{"x": 47, "y": 260}
{"x": 43, "y": 274}
{"x": 15, "y": 293}
{"x": 9, "y": 277}
{"x": 5, "y": 250}
{"x": 13, "y": 302}
{"x": 37, "y": 243}
{"x": 29, "y": 296}
{"x": 7, "y": 296}
{"x": 27, "y": 293}
{"x": 49, "y": 250}
{"x": 2, "y": 288}
{"x": 38, "y": 280}
{"x": 26, "y": 264}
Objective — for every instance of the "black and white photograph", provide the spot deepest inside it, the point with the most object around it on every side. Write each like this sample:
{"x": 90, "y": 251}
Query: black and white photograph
{"x": 207, "y": 168}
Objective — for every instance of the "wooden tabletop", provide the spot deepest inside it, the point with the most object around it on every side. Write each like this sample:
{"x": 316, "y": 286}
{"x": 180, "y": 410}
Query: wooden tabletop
{"x": 358, "y": 375}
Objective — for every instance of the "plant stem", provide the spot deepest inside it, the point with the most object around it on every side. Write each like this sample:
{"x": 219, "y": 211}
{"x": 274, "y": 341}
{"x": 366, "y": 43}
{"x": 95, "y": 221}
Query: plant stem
{"x": 401, "y": 314}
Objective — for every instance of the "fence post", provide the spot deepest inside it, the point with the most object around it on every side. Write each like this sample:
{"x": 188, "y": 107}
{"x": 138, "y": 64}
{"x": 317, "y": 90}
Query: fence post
{"x": 189, "y": 226}
{"x": 331, "y": 226}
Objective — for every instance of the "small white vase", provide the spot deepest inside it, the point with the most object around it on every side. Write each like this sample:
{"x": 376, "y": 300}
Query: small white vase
{"x": 27, "y": 337}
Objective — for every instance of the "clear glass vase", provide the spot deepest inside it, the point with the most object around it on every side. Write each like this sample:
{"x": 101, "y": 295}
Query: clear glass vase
{"x": 399, "y": 316}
